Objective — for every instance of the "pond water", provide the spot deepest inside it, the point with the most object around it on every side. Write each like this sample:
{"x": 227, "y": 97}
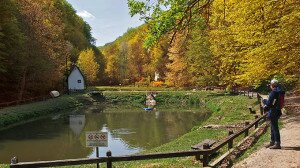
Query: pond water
{"x": 62, "y": 136}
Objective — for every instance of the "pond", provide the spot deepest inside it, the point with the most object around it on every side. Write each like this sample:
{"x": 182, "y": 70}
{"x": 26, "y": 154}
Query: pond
{"x": 130, "y": 130}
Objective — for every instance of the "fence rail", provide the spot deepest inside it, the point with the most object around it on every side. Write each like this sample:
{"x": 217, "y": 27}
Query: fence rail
{"x": 109, "y": 159}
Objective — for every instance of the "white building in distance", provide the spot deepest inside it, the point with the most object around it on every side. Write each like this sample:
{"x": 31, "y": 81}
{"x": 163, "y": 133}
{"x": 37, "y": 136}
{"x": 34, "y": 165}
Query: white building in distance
{"x": 76, "y": 80}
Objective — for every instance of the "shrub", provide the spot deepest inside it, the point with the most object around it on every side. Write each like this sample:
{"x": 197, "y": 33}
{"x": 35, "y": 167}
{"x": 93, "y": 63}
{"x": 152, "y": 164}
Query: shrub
{"x": 157, "y": 83}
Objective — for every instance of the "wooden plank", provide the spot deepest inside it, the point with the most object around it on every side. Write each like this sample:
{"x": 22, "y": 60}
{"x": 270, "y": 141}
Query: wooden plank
{"x": 59, "y": 163}
{"x": 110, "y": 159}
{"x": 221, "y": 158}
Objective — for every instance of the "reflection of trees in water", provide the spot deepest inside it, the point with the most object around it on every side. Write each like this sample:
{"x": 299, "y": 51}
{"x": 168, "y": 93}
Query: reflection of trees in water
{"x": 148, "y": 130}
{"x": 45, "y": 139}
{"x": 77, "y": 123}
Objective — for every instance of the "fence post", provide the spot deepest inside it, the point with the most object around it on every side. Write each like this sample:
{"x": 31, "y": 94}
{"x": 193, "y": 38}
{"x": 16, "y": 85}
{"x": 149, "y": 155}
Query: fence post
{"x": 260, "y": 104}
{"x": 256, "y": 124}
{"x": 108, "y": 163}
{"x": 251, "y": 111}
{"x": 97, "y": 155}
{"x": 247, "y": 130}
{"x": 197, "y": 157}
{"x": 205, "y": 156}
{"x": 230, "y": 143}
{"x": 261, "y": 110}
{"x": 13, "y": 160}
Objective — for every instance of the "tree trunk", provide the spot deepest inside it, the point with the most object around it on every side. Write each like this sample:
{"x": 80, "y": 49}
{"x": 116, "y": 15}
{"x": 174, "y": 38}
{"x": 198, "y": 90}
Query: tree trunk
{"x": 22, "y": 84}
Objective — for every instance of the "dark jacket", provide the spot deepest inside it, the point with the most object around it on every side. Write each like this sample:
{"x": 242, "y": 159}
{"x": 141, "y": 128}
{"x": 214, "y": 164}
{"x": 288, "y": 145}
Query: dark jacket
{"x": 272, "y": 105}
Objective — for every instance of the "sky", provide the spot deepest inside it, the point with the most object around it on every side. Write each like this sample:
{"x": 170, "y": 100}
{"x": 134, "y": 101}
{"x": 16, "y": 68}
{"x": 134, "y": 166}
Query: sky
{"x": 109, "y": 19}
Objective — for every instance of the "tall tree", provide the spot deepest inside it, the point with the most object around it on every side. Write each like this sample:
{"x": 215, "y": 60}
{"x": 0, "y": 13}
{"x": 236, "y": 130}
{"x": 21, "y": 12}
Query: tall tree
{"x": 87, "y": 62}
{"x": 202, "y": 65}
{"x": 224, "y": 46}
{"x": 169, "y": 16}
{"x": 178, "y": 74}
{"x": 12, "y": 56}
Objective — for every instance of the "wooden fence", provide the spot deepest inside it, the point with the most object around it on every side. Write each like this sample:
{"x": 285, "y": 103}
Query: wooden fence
{"x": 109, "y": 159}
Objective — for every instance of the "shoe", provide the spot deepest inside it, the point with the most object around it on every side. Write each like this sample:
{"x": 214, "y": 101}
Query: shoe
{"x": 276, "y": 146}
{"x": 269, "y": 145}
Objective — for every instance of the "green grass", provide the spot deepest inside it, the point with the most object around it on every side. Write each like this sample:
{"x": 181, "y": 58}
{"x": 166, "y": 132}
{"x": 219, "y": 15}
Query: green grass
{"x": 15, "y": 115}
{"x": 132, "y": 88}
{"x": 4, "y": 166}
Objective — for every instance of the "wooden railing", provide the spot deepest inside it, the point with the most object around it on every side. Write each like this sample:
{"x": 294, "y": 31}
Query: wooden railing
{"x": 109, "y": 159}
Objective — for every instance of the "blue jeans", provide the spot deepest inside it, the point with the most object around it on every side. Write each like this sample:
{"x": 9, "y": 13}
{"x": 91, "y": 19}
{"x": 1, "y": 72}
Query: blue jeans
{"x": 275, "y": 135}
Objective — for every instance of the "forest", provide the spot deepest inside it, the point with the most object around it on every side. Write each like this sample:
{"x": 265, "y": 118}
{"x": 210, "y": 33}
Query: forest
{"x": 198, "y": 43}
{"x": 39, "y": 41}
{"x": 189, "y": 44}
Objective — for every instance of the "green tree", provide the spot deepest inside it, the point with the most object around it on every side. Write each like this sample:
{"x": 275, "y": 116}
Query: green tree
{"x": 38, "y": 41}
{"x": 169, "y": 16}
{"x": 12, "y": 56}
{"x": 76, "y": 30}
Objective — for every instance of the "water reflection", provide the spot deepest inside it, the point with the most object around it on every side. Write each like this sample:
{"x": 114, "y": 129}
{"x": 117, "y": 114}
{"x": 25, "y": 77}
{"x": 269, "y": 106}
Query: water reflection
{"x": 63, "y": 136}
{"x": 77, "y": 123}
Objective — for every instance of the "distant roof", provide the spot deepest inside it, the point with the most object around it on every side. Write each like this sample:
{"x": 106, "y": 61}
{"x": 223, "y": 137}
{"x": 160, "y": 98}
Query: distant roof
{"x": 72, "y": 69}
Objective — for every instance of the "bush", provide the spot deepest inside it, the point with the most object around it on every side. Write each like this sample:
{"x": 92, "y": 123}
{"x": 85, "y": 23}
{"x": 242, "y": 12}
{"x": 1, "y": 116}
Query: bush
{"x": 157, "y": 83}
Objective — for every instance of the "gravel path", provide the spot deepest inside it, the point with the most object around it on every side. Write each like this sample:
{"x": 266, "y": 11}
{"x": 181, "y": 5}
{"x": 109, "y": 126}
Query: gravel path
{"x": 289, "y": 155}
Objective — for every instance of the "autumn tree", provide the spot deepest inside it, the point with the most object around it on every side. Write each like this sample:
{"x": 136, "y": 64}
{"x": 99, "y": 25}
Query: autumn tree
{"x": 202, "y": 64}
{"x": 128, "y": 61}
{"x": 87, "y": 62}
{"x": 178, "y": 74}
{"x": 38, "y": 41}
{"x": 267, "y": 31}
{"x": 250, "y": 42}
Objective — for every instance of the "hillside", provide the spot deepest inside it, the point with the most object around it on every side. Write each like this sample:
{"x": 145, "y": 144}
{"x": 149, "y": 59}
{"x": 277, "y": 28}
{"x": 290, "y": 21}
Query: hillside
{"x": 204, "y": 43}
{"x": 38, "y": 42}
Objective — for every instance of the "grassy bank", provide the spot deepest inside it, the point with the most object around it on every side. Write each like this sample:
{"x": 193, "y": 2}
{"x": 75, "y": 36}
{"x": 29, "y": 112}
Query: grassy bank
{"x": 16, "y": 115}
{"x": 163, "y": 98}
{"x": 132, "y": 88}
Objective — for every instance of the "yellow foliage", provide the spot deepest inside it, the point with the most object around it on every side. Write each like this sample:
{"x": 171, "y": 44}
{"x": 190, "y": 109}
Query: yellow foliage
{"x": 157, "y": 83}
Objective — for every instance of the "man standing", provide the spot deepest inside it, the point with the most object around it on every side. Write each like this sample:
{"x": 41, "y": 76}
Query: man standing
{"x": 272, "y": 106}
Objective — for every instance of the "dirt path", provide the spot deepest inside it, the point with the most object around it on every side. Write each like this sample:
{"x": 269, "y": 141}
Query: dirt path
{"x": 289, "y": 155}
